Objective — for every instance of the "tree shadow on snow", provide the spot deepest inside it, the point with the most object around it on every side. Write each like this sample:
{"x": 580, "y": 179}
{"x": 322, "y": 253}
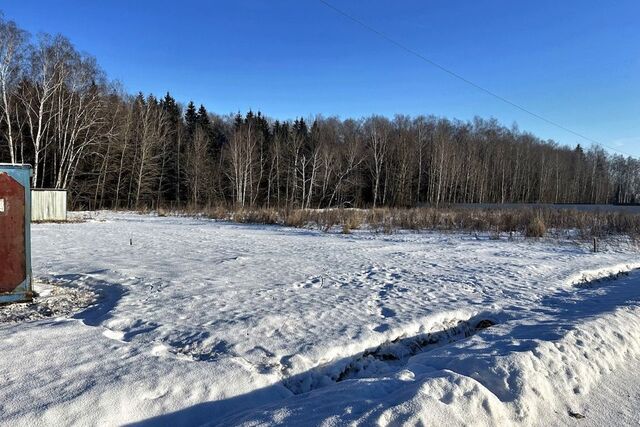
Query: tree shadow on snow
{"x": 564, "y": 309}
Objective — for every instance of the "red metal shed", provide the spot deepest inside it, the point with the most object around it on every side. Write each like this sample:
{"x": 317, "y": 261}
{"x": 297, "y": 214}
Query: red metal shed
{"x": 15, "y": 234}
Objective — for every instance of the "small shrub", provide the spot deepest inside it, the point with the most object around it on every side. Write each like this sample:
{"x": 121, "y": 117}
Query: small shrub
{"x": 388, "y": 227}
{"x": 508, "y": 222}
{"x": 295, "y": 218}
{"x": 353, "y": 221}
{"x": 216, "y": 212}
{"x": 262, "y": 216}
{"x": 345, "y": 228}
{"x": 535, "y": 228}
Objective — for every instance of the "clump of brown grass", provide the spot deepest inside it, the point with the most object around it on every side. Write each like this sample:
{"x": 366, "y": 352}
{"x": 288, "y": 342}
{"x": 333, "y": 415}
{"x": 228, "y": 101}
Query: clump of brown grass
{"x": 295, "y": 218}
{"x": 536, "y": 227}
{"x": 346, "y": 229}
{"x": 352, "y": 220}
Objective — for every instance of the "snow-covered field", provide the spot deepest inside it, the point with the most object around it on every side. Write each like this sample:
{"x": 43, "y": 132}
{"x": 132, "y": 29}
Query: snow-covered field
{"x": 203, "y": 322}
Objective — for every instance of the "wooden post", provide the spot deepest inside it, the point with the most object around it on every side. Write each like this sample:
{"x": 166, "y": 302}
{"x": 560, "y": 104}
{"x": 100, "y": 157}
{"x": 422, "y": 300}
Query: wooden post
{"x": 595, "y": 244}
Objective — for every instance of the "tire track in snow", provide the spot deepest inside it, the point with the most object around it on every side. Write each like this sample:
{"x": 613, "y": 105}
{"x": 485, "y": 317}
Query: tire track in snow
{"x": 386, "y": 357}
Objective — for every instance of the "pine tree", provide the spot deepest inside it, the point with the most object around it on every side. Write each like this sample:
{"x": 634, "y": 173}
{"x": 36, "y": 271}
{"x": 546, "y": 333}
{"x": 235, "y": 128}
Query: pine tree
{"x": 170, "y": 106}
{"x": 191, "y": 119}
{"x": 175, "y": 173}
{"x": 202, "y": 118}
{"x": 264, "y": 128}
{"x": 300, "y": 128}
{"x": 249, "y": 118}
{"x": 237, "y": 121}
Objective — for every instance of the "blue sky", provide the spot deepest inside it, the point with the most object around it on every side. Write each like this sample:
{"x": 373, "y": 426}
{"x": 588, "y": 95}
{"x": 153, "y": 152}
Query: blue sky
{"x": 576, "y": 62}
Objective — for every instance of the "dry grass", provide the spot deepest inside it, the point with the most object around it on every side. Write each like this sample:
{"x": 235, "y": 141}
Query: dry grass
{"x": 535, "y": 228}
{"x": 58, "y": 221}
{"x": 529, "y": 222}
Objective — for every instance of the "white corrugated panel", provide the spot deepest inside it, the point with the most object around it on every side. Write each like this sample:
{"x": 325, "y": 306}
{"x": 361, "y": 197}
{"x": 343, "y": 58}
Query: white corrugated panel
{"x": 48, "y": 205}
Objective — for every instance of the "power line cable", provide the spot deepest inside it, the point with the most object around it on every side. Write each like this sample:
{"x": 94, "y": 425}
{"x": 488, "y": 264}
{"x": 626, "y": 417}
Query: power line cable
{"x": 459, "y": 77}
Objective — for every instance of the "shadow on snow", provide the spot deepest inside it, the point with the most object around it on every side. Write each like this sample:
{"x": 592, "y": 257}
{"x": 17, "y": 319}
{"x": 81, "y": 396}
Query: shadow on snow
{"x": 554, "y": 317}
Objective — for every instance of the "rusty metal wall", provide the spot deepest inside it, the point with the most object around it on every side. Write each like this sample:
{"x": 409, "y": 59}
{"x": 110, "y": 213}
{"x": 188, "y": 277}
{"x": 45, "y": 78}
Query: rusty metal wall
{"x": 48, "y": 205}
{"x": 15, "y": 233}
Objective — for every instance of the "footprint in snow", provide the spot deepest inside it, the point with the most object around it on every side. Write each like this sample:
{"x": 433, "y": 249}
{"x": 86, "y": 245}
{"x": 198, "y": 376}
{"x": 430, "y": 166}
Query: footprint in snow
{"x": 382, "y": 328}
{"x": 387, "y": 312}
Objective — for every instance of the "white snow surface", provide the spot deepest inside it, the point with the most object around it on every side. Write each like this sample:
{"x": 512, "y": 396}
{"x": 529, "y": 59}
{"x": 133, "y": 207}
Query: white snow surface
{"x": 198, "y": 322}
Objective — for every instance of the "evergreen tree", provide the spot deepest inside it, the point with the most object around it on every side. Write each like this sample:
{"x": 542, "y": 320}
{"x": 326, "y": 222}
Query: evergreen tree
{"x": 237, "y": 121}
{"x": 175, "y": 174}
{"x": 191, "y": 118}
{"x": 249, "y": 118}
{"x": 170, "y": 106}
{"x": 300, "y": 128}
{"x": 202, "y": 118}
{"x": 140, "y": 99}
{"x": 264, "y": 128}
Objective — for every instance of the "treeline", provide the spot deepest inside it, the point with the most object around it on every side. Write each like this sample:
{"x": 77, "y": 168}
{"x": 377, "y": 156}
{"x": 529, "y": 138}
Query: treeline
{"x": 61, "y": 114}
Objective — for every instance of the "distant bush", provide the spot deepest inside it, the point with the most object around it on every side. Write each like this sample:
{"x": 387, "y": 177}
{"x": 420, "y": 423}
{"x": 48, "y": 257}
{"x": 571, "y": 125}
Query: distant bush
{"x": 351, "y": 221}
{"x": 296, "y": 218}
{"x": 346, "y": 229}
{"x": 535, "y": 228}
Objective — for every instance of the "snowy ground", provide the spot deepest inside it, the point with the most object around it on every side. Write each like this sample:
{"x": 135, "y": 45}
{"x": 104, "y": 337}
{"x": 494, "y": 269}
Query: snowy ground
{"x": 202, "y": 322}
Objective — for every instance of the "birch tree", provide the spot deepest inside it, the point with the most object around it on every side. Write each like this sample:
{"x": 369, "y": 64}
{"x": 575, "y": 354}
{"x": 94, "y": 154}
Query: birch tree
{"x": 12, "y": 46}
